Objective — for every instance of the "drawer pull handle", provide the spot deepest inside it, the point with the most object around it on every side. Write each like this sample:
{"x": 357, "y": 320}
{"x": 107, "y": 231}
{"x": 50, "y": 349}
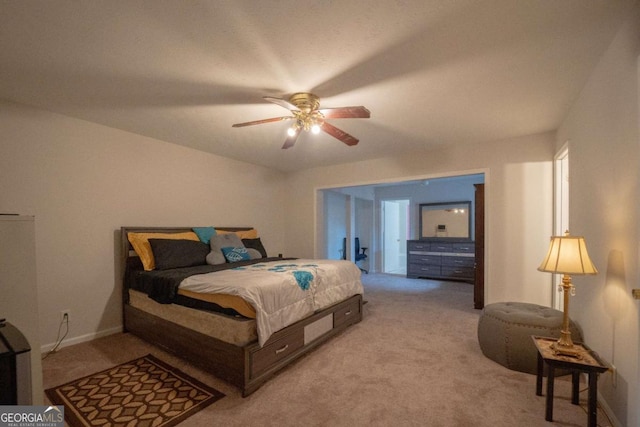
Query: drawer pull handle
{"x": 280, "y": 350}
{"x": 348, "y": 313}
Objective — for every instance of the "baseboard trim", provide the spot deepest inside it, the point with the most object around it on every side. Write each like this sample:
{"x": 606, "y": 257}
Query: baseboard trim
{"x": 608, "y": 411}
{"x": 83, "y": 338}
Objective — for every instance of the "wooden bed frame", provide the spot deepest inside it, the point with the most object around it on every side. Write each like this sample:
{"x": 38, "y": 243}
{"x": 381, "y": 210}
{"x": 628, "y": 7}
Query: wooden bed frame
{"x": 246, "y": 367}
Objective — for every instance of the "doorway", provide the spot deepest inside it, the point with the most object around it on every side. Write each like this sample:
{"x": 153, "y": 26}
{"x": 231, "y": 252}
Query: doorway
{"x": 356, "y": 210}
{"x": 395, "y": 232}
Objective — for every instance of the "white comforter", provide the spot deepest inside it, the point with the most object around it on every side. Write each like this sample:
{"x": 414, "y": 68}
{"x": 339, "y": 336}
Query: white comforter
{"x": 282, "y": 292}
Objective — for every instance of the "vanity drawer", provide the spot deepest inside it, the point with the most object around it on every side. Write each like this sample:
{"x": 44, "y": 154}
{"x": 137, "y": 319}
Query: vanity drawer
{"x": 424, "y": 269}
{"x": 469, "y": 248}
{"x": 458, "y": 261}
{"x": 275, "y": 351}
{"x": 418, "y": 246}
{"x": 441, "y": 247}
{"x": 458, "y": 272}
{"x": 426, "y": 259}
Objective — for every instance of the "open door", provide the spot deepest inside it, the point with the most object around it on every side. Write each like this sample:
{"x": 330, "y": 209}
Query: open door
{"x": 395, "y": 222}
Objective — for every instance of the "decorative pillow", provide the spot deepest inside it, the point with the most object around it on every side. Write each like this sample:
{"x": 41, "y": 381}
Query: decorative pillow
{"x": 255, "y": 244}
{"x": 243, "y": 234}
{"x": 219, "y": 241}
{"x": 236, "y": 254}
{"x": 204, "y": 233}
{"x": 170, "y": 253}
{"x": 140, "y": 243}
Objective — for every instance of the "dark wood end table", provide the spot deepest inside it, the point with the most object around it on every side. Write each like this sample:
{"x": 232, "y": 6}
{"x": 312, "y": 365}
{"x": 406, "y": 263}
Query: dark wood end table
{"x": 587, "y": 361}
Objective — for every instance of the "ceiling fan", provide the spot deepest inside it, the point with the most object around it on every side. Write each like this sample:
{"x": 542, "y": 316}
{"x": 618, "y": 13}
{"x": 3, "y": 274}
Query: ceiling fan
{"x": 307, "y": 116}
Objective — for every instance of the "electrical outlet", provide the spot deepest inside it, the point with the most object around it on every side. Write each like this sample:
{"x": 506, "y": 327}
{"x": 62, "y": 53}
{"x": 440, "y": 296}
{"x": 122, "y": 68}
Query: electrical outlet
{"x": 64, "y": 316}
{"x": 614, "y": 376}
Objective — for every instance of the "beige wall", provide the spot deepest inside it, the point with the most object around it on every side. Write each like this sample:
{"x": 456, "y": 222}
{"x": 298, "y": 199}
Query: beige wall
{"x": 518, "y": 176}
{"x": 604, "y": 160}
{"x": 84, "y": 181}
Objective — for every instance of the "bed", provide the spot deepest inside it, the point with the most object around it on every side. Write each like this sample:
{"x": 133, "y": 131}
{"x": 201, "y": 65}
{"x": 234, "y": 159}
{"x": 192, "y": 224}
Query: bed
{"x": 220, "y": 315}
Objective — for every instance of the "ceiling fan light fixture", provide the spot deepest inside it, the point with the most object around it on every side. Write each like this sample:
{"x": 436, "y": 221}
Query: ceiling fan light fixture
{"x": 304, "y": 108}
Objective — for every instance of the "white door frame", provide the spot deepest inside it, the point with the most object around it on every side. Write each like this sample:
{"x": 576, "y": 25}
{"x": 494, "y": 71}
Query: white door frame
{"x": 561, "y": 209}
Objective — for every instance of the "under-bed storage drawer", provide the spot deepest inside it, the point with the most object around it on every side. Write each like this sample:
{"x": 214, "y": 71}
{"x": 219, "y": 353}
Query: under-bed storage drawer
{"x": 348, "y": 314}
{"x": 275, "y": 351}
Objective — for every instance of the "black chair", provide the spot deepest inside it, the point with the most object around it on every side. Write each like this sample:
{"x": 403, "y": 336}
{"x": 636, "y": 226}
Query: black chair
{"x": 360, "y": 256}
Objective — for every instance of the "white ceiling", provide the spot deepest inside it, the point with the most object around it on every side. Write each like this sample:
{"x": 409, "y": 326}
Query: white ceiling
{"x": 431, "y": 72}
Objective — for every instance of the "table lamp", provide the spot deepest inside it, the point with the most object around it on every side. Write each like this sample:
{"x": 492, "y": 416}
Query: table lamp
{"x": 567, "y": 255}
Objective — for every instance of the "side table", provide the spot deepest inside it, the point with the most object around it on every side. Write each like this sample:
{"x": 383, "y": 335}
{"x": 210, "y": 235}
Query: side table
{"x": 587, "y": 361}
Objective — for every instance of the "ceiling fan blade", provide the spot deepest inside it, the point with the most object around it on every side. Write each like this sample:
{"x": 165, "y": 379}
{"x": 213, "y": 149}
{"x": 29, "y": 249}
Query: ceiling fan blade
{"x": 281, "y": 102}
{"x": 339, "y": 134}
{"x": 259, "y": 122}
{"x": 288, "y": 143}
{"x": 358, "y": 112}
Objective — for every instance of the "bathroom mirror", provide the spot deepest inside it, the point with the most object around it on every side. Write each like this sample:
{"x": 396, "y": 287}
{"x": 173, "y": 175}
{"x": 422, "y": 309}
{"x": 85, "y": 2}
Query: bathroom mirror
{"x": 445, "y": 220}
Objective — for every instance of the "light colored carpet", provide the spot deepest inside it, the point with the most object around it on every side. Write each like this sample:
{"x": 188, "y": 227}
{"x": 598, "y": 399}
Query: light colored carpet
{"x": 413, "y": 361}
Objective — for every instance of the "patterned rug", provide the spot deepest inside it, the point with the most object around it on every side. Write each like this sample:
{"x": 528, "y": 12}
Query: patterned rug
{"x": 142, "y": 392}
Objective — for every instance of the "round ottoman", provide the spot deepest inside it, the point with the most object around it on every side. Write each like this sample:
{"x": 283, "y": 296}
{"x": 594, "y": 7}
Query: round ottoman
{"x": 505, "y": 329}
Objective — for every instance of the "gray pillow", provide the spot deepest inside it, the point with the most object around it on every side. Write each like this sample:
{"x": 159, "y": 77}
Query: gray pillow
{"x": 254, "y": 253}
{"x": 219, "y": 241}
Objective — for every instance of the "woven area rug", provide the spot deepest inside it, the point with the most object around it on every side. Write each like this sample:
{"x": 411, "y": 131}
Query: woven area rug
{"x": 142, "y": 392}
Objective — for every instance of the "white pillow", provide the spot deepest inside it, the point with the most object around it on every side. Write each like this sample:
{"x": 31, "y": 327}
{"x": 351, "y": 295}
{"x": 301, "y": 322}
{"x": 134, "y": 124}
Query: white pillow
{"x": 254, "y": 253}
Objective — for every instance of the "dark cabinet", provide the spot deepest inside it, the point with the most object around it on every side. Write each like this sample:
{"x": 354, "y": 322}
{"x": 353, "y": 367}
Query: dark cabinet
{"x": 447, "y": 260}
{"x": 15, "y": 366}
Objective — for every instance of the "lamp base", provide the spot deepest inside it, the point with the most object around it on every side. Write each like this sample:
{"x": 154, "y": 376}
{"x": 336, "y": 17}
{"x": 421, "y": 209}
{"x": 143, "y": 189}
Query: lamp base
{"x": 561, "y": 350}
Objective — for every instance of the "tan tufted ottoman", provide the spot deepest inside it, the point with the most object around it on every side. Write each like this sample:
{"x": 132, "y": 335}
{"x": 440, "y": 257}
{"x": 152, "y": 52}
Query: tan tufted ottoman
{"x": 505, "y": 329}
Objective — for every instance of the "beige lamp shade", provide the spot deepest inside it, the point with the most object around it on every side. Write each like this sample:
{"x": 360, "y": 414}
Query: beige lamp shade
{"x": 568, "y": 255}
